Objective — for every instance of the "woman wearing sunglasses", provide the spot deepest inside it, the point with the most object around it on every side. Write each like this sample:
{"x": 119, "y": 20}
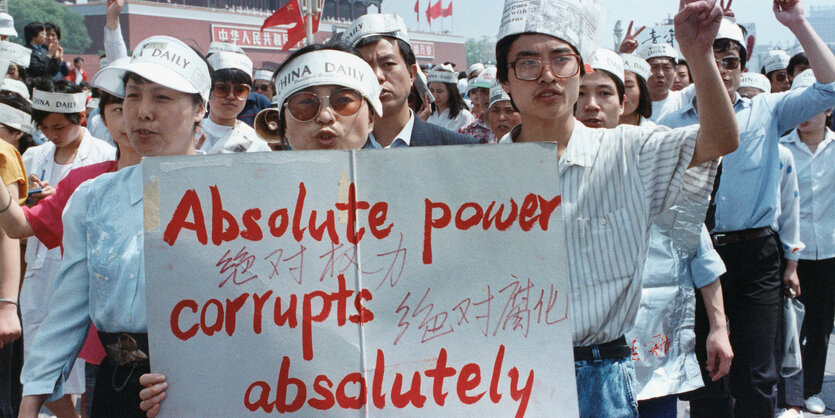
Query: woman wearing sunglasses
{"x": 231, "y": 84}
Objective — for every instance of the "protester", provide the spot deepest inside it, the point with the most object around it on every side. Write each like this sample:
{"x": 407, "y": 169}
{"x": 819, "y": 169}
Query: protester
{"x": 662, "y": 62}
{"x": 255, "y": 102}
{"x": 263, "y": 83}
{"x": 17, "y": 122}
{"x": 753, "y": 84}
{"x": 77, "y": 74}
{"x": 480, "y": 95}
{"x": 682, "y": 78}
{"x": 501, "y": 115}
{"x": 774, "y": 67}
{"x": 603, "y": 170}
{"x": 53, "y": 45}
{"x": 44, "y": 62}
{"x": 746, "y": 208}
{"x": 600, "y": 99}
{"x": 637, "y": 105}
{"x": 798, "y": 63}
{"x": 449, "y": 110}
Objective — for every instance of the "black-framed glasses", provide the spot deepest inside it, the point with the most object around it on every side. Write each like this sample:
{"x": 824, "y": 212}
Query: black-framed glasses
{"x": 305, "y": 106}
{"x": 728, "y": 63}
{"x": 221, "y": 90}
{"x": 262, "y": 87}
{"x": 562, "y": 66}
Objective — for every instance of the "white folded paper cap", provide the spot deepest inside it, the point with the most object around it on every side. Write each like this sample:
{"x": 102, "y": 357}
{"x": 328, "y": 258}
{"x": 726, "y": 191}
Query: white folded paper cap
{"x": 497, "y": 93}
{"x": 59, "y": 102}
{"x": 484, "y": 79}
{"x": 442, "y": 73}
{"x": 776, "y": 60}
{"x": 663, "y": 50}
{"x": 637, "y": 65}
{"x": 264, "y": 75}
{"x": 608, "y": 60}
{"x": 16, "y": 54}
{"x": 576, "y": 22}
{"x": 804, "y": 79}
{"x": 230, "y": 60}
{"x": 17, "y": 86}
{"x": 7, "y": 25}
{"x": 163, "y": 60}
{"x": 326, "y": 67}
{"x": 215, "y": 47}
{"x": 475, "y": 67}
{"x": 16, "y": 119}
{"x": 375, "y": 24}
{"x": 798, "y": 49}
{"x": 755, "y": 80}
{"x": 728, "y": 29}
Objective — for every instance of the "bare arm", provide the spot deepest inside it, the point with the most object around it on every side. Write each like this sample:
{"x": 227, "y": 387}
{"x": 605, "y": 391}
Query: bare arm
{"x": 9, "y": 280}
{"x": 719, "y": 352}
{"x": 821, "y": 59}
{"x": 13, "y": 222}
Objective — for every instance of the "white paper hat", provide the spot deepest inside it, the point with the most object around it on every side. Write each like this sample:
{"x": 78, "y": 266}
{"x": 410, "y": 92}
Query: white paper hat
{"x": 442, "y": 73}
{"x": 17, "y": 86}
{"x": 7, "y": 25}
{"x": 730, "y": 30}
{"x": 573, "y": 21}
{"x": 663, "y": 50}
{"x": 224, "y": 60}
{"x": 162, "y": 60}
{"x": 475, "y": 67}
{"x": 59, "y": 102}
{"x": 798, "y": 49}
{"x": 324, "y": 67}
{"x": 216, "y": 47}
{"x": 16, "y": 54}
{"x": 374, "y": 24}
{"x": 264, "y": 75}
{"x": 485, "y": 79}
{"x": 637, "y": 65}
{"x": 804, "y": 79}
{"x": 755, "y": 80}
{"x": 776, "y": 60}
{"x": 16, "y": 119}
{"x": 497, "y": 93}
{"x": 608, "y": 60}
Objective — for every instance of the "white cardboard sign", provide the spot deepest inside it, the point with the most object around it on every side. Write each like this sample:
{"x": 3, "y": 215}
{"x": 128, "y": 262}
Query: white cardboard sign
{"x": 443, "y": 293}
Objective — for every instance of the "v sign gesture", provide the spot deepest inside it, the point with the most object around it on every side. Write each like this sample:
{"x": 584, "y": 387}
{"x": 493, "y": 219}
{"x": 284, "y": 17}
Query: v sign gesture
{"x": 630, "y": 44}
{"x": 696, "y": 25}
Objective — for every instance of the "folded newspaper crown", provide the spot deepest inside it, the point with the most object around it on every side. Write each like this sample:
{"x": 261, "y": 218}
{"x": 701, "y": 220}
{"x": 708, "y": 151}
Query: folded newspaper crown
{"x": 484, "y": 79}
{"x": 659, "y": 51}
{"x": 230, "y": 60}
{"x": 325, "y": 67}
{"x": 728, "y": 29}
{"x": 216, "y": 46}
{"x": 637, "y": 65}
{"x": 755, "y": 80}
{"x": 573, "y": 21}
{"x": 16, "y": 54}
{"x": 442, "y": 73}
{"x": 776, "y": 60}
{"x": 263, "y": 75}
{"x": 607, "y": 60}
{"x": 497, "y": 94}
{"x": 16, "y": 119}
{"x": 383, "y": 24}
{"x": 475, "y": 67}
{"x": 804, "y": 79}
{"x": 17, "y": 86}
{"x": 59, "y": 102}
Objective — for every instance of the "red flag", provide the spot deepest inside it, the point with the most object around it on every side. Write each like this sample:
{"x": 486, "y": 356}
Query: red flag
{"x": 448, "y": 11}
{"x": 433, "y": 11}
{"x": 290, "y": 13}
{"x": 417, "y": 11}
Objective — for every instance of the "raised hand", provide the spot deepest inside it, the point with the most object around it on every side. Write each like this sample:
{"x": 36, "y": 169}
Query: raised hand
{"x": 789, "y": 12}
{"x": 726, "y": 10}
{"x": 696, "y": 25}
{"x": 630, "y": 44}
{"x": 112, "y": 11}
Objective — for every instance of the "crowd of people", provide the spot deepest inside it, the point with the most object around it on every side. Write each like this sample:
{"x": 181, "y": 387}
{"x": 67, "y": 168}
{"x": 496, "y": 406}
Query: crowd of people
{"x": 697, "y": 192}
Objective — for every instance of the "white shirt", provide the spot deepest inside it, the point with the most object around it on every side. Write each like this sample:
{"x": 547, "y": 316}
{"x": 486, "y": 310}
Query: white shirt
{"x": 614, "y": 182}
{"x": 114, "y": 44}
{"x": 788, "y": 216}
{"x": 404, "y": 137}
{"x": 228, "y": 139}
{"x": 675, "y": 101}
{"x": 816, "y": 184}
{"x": 463, "y": 119}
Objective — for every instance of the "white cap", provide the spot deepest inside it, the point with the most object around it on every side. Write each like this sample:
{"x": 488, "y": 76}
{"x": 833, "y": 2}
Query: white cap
{"x": 59, "y": 102}
{"x": 162, "y": 60}
{"x": 497, "y": 93}
{"x": 484, "y": 79}
{"x": 463, "y": 86}
{"x": 804, "y": 79}
{"x": 16, "y": 54}
{"x": 663, "y": 50}
{"x": 475, "y": 67}
{"x": 730, "y": 30}
{"x": 17, "y": 86}
{"x": 375, "y": 24}
{"x": 16, "y": 119}
{"x": 755, "y": 80}
{"x": 576, "y": 22}
{"x": 442, "y": 73}
{"x": 324, "y": 67}
{"x": 264, "y": 75}
{"x": 217, "y": 46}
{"x": 608, "y": 60}
{"x": 798, "y": 49}
{"x": 7, "y": 25}
{"x": 225, "y": 60}
{"x": 637, "y": 65}
{"x": 776, "y": 60}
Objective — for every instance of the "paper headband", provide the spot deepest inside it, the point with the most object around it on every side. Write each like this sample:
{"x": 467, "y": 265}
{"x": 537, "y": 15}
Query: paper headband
{"x": 636, "y": 65}
{"x": 16, "y": 86}
{"x": 475, "y": 67}
{"x": 16, "y": 54}
{"x": 326, "y": 67}
{"x": 804, "y": 79}
{"x": 59, "y": 102}
{"x": 659, "y": 50}
{"x": 16, "y": 119}
{"x": 383, "y": 24}
{"x": 755, "y": 80}
{"x": 266, "y": 75}
{"x": 497, "y": 94}
{"x": 776, "y": 60}
{"x": 216, "y": 47}
{"x": 225, "y": 60}
{"x": 484, "y": 79}
{"x": 608, "y": 60}
{"x": 442, "y": 77}
{"x": 573, "y": 21}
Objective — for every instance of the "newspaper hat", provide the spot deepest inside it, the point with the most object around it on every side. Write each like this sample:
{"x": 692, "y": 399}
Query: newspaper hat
{"x": 497, "y": 93}
{"x": 730, "y": 30}
{"x": 442, "y": 73}
{"x": 16, "y": 119}
{"x": 755, "y": 80}
{"x": 7, "y": 25}
{"x": 576, "y": 22}
{"x": 16, "y": 54}
{"x": 659, "y": 51}
{"x": 59, "y": 102}
{"x": 637, "y": 65}
{"x": 475, "y": 67}
{"x": 375, "y": 24}
{"x": 797, "y": 50}
{"x": 16, "y": 86}
{"x": 230, "y": 60}
{"x": 216, "y": 47}
{"x": 776, "y": 60}
{"x": 608, "y": 60}
{"x": 484, "y": 79}
{"x": 804, "y": 79}
{"x": 162, "y": 60}
{"x": 263, "y": 75}
{"x": 318, "y": 68}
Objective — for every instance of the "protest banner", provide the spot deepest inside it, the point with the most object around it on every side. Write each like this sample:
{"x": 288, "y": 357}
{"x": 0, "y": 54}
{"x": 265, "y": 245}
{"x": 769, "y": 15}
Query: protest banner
{"x": 657, "y": 34}
{"x": 359, "y": 283}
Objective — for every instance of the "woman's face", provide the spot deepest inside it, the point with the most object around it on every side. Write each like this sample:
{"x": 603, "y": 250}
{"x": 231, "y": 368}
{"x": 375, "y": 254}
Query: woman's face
{"x": 113, "y": 118}
{"x": 502, "y": 118}
{"x": 51, "y": 37}
{"x": 10, "y": 136}
{"x": 59, "y": 130}
{"x": 227, "y": 100}
{"x": 159, "y": 120}
{"x": 441, "y": 93}
{"x": 632, "y": 95}
{"x": 328, "y": 129}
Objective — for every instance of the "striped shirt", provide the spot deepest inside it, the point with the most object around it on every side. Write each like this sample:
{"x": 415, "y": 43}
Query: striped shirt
{"x": 614, "y": 182}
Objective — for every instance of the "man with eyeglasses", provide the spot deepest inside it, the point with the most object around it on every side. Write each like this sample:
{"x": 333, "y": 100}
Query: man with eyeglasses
{"x": 744, "y": 212}
{"x": 613, "y": 181}
{"x": 263, "y": 84}
{"x": 774, "y": 67}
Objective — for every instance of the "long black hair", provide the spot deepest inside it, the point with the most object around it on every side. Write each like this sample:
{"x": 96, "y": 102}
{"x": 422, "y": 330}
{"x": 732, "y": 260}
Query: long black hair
{"x": 456, "y": 102}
